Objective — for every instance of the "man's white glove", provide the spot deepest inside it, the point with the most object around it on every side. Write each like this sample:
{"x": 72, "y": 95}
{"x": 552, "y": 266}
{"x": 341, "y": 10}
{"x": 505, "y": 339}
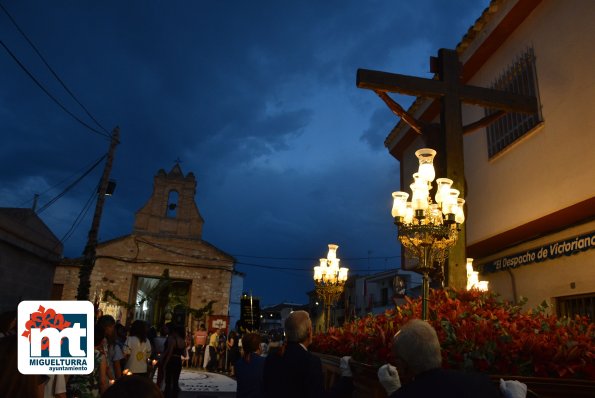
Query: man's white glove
{"x": 389, "y": 378}
{"x": 344, "y": 367}
{"x": 513, "y": 389}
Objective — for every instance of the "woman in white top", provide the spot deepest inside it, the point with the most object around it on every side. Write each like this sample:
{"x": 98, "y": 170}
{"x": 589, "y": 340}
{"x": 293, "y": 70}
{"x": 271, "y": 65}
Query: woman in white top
{"x": 138, "y": 348}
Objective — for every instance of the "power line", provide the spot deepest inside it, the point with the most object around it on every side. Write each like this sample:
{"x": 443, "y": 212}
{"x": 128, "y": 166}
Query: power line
{"x": 69, "y": 187}
{"x": 313, "y": 259}
{"x": 51, "y": 69}
{"x": 60, "y": 182}
{"x": 163, "y": 262}
{"x": 24, "y": 68}
{"x": 79, "y": 218}
{"x": 269, "y": 267}
{"x": 276, "y": 268}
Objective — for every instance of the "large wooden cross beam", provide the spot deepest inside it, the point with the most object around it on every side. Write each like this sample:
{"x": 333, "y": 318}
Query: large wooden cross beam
{"x": 448, "y": 141}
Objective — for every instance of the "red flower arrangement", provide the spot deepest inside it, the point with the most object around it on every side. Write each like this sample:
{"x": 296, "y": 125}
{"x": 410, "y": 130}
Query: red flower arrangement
{"x": 477, "y": 330}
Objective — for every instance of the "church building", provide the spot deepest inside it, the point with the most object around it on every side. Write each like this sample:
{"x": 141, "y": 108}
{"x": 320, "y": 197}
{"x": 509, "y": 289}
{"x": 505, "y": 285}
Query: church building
{"x": 163, "y": 271}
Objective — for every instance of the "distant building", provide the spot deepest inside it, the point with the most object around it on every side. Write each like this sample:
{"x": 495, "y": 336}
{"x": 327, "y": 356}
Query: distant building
{"x": 378, "y": 292}
{"x": 272, "y": 319}
{"x": 29, "y": 253}
{"x": 365, "y": 294}
{"x": 163, "y": 271}
{"x": 530, "y": 192}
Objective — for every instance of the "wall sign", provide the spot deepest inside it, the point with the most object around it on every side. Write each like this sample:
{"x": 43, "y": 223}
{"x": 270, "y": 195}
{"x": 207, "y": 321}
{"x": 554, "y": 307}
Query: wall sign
{"x": 566, "y": 247}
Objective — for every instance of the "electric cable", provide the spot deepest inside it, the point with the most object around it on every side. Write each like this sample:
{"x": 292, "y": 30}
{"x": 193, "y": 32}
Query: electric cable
{"x": 24, "y": 68}
{"x": 69, "y": 187}
{"x": 57, "y": 184}
{"x": 79, "y": 218}
{"x": 312, "y": 259}
{"x": 270, "y": 267}
{"x": 273, "y": 267}
{"x": 51, "y": 69}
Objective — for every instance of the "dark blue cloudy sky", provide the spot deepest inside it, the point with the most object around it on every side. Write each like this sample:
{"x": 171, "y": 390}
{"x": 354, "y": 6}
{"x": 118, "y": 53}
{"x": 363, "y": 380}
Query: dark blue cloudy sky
{"x": 258, "y": 100}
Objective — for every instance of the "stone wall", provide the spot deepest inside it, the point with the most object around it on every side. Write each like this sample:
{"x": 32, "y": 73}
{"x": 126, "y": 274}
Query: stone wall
{"x": 121, "y": 261}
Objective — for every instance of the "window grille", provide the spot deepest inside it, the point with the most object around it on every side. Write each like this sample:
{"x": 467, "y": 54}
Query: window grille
{"x": 576, "y": 305}
{"x": 519, "y": 78}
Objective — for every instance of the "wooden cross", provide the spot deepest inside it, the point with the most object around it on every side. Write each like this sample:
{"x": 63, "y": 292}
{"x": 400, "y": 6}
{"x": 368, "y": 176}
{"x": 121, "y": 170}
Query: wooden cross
{"x": 448, "y": 138}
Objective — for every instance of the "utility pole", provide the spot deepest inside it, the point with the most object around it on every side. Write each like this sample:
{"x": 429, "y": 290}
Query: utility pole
{"x": 89, "y": 252}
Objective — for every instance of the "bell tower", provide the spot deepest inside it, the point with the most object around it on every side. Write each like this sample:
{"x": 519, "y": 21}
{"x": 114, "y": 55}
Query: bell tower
{"x": 171, "y": 210}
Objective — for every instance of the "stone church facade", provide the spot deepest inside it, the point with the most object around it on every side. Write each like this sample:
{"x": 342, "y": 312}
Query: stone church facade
{"x": 163, "y": 270}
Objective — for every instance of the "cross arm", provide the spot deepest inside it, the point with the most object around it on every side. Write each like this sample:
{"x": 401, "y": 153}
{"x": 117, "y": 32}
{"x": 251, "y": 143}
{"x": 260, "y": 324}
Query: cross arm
{"x": 502, "y": 100}
{"x": 430, "y": 88}
{"x": 396, "y": 83}
{"x": 400, "y": 112}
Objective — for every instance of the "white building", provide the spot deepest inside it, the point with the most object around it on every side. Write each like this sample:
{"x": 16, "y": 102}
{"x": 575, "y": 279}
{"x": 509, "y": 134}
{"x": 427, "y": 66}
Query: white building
{"x": 530, "y": 179}
{"x": 383, "y": 290}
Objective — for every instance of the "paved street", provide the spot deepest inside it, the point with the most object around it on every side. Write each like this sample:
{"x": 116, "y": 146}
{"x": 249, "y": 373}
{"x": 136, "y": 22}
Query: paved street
{"x": 198, "y": 384}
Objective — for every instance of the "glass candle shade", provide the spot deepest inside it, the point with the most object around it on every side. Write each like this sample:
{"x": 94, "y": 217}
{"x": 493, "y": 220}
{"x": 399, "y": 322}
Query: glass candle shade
{"x": 472, "y": 280}
{"x": 343, "y": 274}
{"x": 399, "y": 203}
{"x": 443, "y": 186}
{"x": 426, "y": 165}
{"x": 482, "y": 285}
{"x": 332, "y": 251}
{"x": 459, "y": 212}
{"x": 449, "y": 203}
{"x": 419, "y": 198}
{"x": 317, "y": 273}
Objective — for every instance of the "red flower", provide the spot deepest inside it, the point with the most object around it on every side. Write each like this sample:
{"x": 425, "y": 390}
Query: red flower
{"x": 476, "y": 330}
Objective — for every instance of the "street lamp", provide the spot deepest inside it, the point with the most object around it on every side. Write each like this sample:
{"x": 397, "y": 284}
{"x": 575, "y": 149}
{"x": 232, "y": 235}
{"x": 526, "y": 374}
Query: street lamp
{"x": 427, "y": 229}
{"x": 329, "y": 280}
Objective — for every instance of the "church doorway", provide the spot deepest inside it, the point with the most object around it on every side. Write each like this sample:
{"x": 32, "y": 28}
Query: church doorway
{"x": 161, "y": 300}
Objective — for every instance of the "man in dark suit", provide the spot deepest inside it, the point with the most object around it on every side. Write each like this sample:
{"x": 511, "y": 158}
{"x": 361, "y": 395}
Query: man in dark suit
{"x": 416, "y": 350}
{"x": 294, "y": 371}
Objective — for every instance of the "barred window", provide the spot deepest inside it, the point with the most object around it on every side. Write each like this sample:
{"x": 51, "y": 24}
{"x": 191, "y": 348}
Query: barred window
{"x": 576, "y": 305}
{"x": 519, "y": 78}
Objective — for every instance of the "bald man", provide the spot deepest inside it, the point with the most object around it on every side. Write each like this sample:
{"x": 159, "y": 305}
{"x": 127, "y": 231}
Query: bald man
{"x": 418, "y": 357}
{"x": 295, "y": 372}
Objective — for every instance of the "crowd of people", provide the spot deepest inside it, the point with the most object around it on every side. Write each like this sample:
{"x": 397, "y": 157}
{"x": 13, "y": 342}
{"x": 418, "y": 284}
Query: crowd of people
{"x": 140, "y": 362}
{"x": 137, "y": 356}
{"x": 125, "y": 360}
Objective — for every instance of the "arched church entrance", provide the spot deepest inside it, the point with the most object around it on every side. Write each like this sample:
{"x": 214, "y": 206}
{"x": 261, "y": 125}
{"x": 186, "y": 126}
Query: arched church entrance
{"x": 161, "y": 300}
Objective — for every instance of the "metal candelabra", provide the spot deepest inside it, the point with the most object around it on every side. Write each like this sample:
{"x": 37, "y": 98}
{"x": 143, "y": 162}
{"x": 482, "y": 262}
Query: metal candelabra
{"x": 428, "y": 230}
